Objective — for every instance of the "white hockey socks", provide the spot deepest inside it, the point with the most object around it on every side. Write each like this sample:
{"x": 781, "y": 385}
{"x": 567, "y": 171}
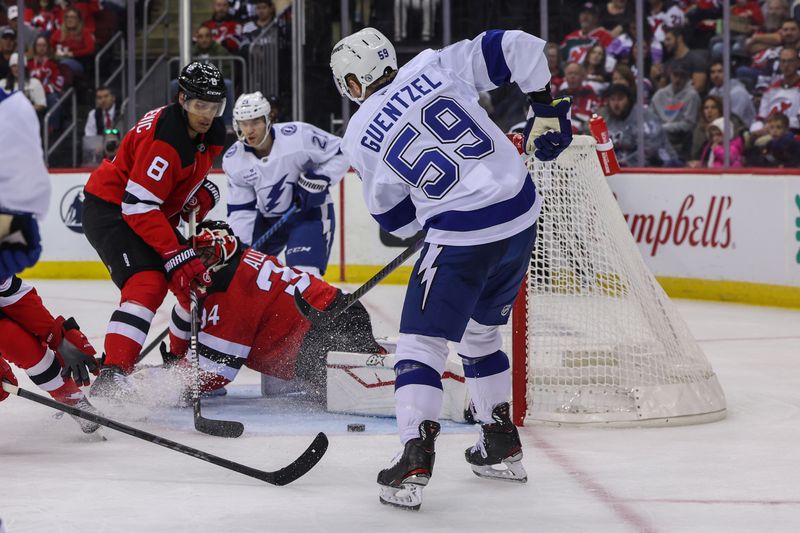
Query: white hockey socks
{"x": 489, "y": 382}
{"x": 418, "y": 397}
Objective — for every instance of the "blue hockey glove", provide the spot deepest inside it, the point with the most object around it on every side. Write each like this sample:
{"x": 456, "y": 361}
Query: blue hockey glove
{"x": 21, "y": 247}
{"x": 548, "y": 132}
{"x": 310, "y": 192}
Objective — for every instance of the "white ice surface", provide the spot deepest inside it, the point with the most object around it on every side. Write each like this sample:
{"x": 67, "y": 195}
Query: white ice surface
{"x": 740, "y": 474}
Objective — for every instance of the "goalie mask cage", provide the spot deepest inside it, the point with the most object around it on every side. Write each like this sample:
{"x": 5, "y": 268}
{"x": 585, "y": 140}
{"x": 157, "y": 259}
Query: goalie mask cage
{"x": 595, "y": 340}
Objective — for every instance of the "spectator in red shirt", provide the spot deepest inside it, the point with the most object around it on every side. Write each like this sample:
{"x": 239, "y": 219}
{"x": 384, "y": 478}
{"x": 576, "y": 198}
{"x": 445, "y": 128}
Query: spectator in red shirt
{"x": 42, "y": 67}
{"x": 73, "y": 43}
{"x": 750, "y": 13}
{"x": 47, "y": 17}
{"x": 585, "y": 101}
{"x": 577, "y": 43}
{"x": 87, "y": 9}
{"x": 225, "y": 29}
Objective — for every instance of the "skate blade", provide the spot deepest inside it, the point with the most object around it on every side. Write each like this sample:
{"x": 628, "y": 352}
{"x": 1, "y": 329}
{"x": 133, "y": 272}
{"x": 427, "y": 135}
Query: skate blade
{"x": 510, "y": 470}
{"x": 97, "y": 436}
{"x": 407, "y": 496}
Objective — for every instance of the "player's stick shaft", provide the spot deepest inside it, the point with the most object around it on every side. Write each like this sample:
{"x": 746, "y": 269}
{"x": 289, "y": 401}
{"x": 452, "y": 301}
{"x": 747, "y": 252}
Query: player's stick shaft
{"x": 217, "y": 428}
{"x": 317, "y": 315}
{"x": 285, "y": 475}
{"x": 275, "y": 227}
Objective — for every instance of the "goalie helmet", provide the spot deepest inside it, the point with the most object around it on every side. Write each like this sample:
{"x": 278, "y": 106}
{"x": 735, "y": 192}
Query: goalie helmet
{"x": 215, "y": 244}
{"x": 367, "y": 54}
{"x": 247, "y": 107}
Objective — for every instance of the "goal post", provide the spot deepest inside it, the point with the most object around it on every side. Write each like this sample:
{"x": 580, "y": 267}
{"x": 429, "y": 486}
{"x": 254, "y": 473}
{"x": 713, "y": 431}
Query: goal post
{"x": 594, "y": 338}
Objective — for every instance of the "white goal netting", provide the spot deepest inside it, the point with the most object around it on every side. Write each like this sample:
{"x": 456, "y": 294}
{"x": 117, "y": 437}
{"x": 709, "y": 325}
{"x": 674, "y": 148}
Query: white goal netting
{"x": 603, "y": 343}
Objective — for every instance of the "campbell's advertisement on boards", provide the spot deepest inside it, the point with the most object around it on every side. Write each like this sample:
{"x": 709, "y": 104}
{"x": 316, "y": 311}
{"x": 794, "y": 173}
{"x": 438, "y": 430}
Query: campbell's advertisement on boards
{"x": 730, "y": 227}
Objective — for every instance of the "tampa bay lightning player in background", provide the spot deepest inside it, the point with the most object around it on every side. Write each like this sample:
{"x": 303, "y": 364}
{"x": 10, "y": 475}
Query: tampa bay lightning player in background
{"x": 430, "y": 158}
{"x": 275, "y": 166}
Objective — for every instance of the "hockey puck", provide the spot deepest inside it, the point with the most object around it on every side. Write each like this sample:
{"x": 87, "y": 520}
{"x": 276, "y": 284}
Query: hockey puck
{"x": 355, "y": 427}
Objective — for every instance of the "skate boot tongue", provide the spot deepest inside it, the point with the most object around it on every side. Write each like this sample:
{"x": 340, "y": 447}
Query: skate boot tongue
{"x": 401, "y": 484}
{"x": 498, "y": 452}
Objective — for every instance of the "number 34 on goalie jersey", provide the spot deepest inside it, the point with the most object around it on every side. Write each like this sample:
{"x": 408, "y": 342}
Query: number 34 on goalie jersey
{"x": 436, "y": 169}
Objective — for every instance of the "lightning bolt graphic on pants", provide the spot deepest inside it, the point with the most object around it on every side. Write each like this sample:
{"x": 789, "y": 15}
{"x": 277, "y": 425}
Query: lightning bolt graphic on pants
{"x": 275, "y": 194}
{"x": 427, "y": 270}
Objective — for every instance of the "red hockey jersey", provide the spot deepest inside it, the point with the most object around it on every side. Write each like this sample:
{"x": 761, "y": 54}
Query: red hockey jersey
{"x": 156, "y": 171}
{"x": 250, "y": 318}
{"x": 227, "y": 32}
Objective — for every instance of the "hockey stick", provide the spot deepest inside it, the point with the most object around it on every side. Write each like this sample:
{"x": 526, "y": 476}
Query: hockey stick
{"x": 149, "y": 348}
{"x": 300, "y": 466}
{"x": 261, "y": 240}
{"x": 218, "y": 428}
{"x": 275, "y": 227}
{"x": 319, "y": 316}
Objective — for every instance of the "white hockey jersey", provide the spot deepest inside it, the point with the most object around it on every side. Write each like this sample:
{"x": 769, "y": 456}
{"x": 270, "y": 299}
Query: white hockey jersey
{"x": 24, "y": 180}
{"x": 430, "y": 157}
{"x": 267, "y": 184}
{"x": 781, "y": 98}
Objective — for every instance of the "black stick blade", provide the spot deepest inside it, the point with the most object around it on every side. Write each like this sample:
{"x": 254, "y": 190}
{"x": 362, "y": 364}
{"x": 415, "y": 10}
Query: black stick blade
{"x": 229, "y": 429}
{"x": 320, "y": 316}
{"x": 307, "y": 460}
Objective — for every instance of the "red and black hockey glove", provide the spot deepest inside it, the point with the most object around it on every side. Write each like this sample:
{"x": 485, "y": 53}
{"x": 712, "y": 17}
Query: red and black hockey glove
{"x": 6, "y": 375}
{"x": 184, "y": 268}
{"x": 204, "y": 200}
{"x": 73, "y": 350}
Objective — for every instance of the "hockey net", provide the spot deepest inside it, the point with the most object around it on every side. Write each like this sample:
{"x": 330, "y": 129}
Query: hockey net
{"x": 595, "y": 338}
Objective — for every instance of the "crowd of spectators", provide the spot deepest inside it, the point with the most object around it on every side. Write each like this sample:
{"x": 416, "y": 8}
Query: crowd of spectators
{"x": 594, "y": 62}
{"x": 61, "y": 38}
{"x": 683, "y": 80}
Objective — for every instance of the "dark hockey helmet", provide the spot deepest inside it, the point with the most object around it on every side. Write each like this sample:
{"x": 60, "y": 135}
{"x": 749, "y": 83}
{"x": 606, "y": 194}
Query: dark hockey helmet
{"x": 215, "y": 244}
{"x": 203, "y": 89}
{"x": 202, "y": 81}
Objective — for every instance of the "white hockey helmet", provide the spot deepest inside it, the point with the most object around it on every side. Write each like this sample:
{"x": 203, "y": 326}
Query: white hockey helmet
{"x": 247, "y": 107}
{"x": 366, "y": 54}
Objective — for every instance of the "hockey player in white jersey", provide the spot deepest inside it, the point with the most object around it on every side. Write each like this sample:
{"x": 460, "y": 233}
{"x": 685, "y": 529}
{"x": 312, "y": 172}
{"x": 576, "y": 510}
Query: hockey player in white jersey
{"x": 431, "y": 159}
{"x": 52, "y": 351}
{"x": 275, "y": 166}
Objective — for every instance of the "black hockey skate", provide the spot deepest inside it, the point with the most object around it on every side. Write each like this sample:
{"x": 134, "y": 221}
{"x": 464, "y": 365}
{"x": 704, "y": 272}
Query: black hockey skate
{"x": 402, "y": 483}
{"x": 112, "y": 383}
{"x": 498, "y": 452}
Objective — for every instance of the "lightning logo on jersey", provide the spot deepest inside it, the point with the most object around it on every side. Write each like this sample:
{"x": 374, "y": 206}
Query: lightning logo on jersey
{"x": 427, "y": 269}
{"x": 275, "y": 194}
